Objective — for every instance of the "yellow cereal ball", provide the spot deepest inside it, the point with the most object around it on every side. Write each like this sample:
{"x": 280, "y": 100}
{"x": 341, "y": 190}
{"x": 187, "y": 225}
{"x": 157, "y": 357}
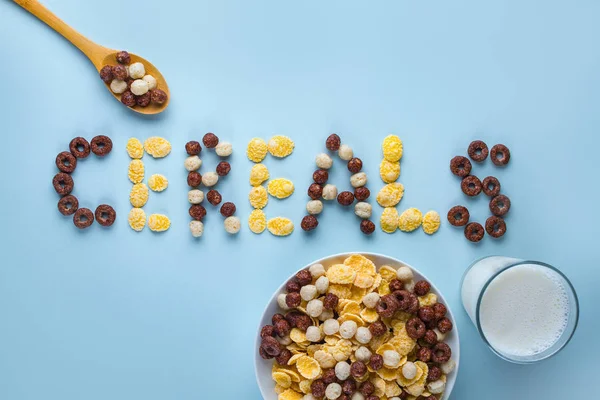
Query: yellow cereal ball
{"x": 392, "y": 148}
{"x": 158, "y": 182}
{"x": 389, "y": 171}
{"x": 139, "y": 195}
{"x": 389, "y": 220}
{"x": 257, "y": 221}
{"x": 134, "y": 148}
{"x": 257, "y": 150}
{"x": 137, "y": 219}
{"x": 258, "y": 174}
{"x": 158, "y": 222}
{"x": 280, "y": 226}
{"x": 410, "y": 220}
{"x": 258, "y": 197}
{"x": 390, "y": 194}
{"x": 157, "y": 147}
{"x": 431, "y": 222}
{"x": 281, "y": 188}
{"x": 136, "y": 171}
{"x": 280, "y": 146}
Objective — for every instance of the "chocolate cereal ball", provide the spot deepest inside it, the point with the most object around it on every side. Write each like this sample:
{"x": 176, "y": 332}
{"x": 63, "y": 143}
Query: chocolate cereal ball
{"x": 367, "y": 226}
{"x": 194, "y": 179}
{"x": 362, "y": 193}
{"x": 128, "y": 98}
{"x": 333, "y": 142}
{"x": 158, "y": 96}
{"x": 309, "y": 222}
{"x": 345, "y": 198}
{"x": 197, "y": 211}
{"x": 143, "y": 100}
{"x": 355, "y": 165}
{"x": 320, "y": 176}
{"x": 119, "y": 72}
{"x": 227, "y": 209}
{"x": 106, "y": 74}
{"x": 213, "y": 197}
{"x": 193, "y": 148}
{"x": 123, "y": 57}
{"x": 210, "y": 140}
{"x": 223, "y": 168}
{"x": 315, "y": 191}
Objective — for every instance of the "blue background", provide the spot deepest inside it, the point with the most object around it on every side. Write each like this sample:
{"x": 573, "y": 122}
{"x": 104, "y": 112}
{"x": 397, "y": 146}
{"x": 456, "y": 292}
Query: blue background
{"x": 111, "y": 313}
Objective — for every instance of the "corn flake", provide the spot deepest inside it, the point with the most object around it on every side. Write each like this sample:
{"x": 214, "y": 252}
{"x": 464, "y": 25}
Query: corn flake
{"x": 341, "y": 274}
{"x": 138, "y": 195}
{"x": 431, "y": 222}
{"x": 280, "y": 146}
{"x": 325, "y": 359}
{"x": 389, "y": 171}
{"x": 257, "y": 221}
{"x": 157, "y": 147}
{"x": 341, "y": 291}
{"x": 342, "y": 350}
{"x": 428, "y": 300}
{"x": 134, "y": 148}
{"x": 158, "y": 222}
{"x": 410, "y": 220}
{"x": 290, "y": 394}
{"x": 258, "y": 197}
{"x": 392, "y": 148}
{"x": 308, "y": 367}
{"x": 281, "y": 188}
{"x": 389, "y": 220}
{"x": 387, "y": 374}
{"x": 364, "y": 281}
{"x": 361, "y": 264}
{"x": 258, "y": 174}
{"x": 256, "y": 150}
{"x": 282, "y": 379}
{"x": 137, "y": 219}
{"x": 136, "y": 171}
{"x": 280, "y": 226}
{"x": 392, "y": 389}
{"x": 297, "y": 335}
{"x": 390, "y": 194}
{"x": 158, "y": 182}
{"x": 304, "y": 385}
{"x": 387, "y": 273}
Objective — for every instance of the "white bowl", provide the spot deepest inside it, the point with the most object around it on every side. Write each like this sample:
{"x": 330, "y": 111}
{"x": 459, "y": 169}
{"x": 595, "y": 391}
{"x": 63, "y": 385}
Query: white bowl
{"x": 262, "y": 368}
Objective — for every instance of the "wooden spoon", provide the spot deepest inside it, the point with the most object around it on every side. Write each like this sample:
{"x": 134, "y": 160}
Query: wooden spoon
{"x": 98, "y": 55}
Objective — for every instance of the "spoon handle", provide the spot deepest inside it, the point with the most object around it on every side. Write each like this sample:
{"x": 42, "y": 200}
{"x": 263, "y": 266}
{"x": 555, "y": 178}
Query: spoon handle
{"x": 93, "y": 51}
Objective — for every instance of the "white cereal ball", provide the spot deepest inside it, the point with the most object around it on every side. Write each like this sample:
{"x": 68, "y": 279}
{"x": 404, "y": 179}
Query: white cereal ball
{"x": 358, "y": 180}
{"x": 345, "y": 152}
{"x": 363, "y": 335}
{"x": 197, "y": 228}
{"x": 314, "y": 308}
{"x": 363, "y": 210}
{"x": 137, "y": 70}
{"x": 325, "y": 315}
{"x": 281, "y": 302}
{"x": 329, "y": 192}
{"x": 210, "y": 179}
{"x": 308, "y": 292}
{"x": 410, "y": 286}
{"x": 404, "y": 274}
{"x": 314, "y": 207}
{"x": 391, "y": 358}
{"x": 436, "y": 387}
{"x": 232, "y": 224}
{"x": 309, "y": 397}
{"x": 118, "y": 86}
{"x": 357, "y": 396}
{"x": 316, "y": 270}
{"x": 371, "y": 300}
{"x": 448, "y": 366}
{"x": 313, "y": 334}
{"x": 333, "y": 391}
{"x": 440, "y": 336}
{"x": 151, "y": 81}
{"x": 409, "y": 370}
{"x": 323, "y": 161}
{"x": 196, "y": 196}
{"x": 342, "y": 370}
{"x": 395, "y": 398}
{"x": 331, "y": 327}
{"x": 363, "y": 354}
{"x": 348, "y": 329}
{"x": 192, "y": 163}
{"x": 224, "y": 149}
{"x": 322, "y": 284}
{"x": 139, "y": 87}
{"x": 285, "y": 340}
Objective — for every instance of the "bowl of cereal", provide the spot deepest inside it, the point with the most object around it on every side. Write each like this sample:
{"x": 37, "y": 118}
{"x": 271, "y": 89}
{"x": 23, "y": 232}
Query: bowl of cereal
{"x": 357, "y": 326}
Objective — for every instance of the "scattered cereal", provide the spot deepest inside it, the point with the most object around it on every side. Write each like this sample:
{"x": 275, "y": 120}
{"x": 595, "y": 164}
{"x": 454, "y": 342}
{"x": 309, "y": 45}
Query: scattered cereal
{"x": 158, "y": 222}
{"x": 232, "y": 225}
{"x": 157, "y": 147}
{"x": 158, "y": 182}
{"x": 389, "y": 171}
{"x": 431, "y": 222}
{"x": 134, "y": 148}
{"x": 323, "y": 161}
{"x": 192, "y": 163}
{"x": 136, "y": 171}
{"x": 410, "y": 220}
{"x": 330, "y": 192}
{"x": 280, "y": 226}
{"x": 280, "y": 146}
{"x": 137, "y": 219}
{"x": 224, "y": 149}
{"x": 210, "y": 179}
{"x": 138, "y": 195}
{"x": 280, "y": 188}
{"x": 257, "y": 150}
{"x": 257, "y": 221}
{"x": 196, "y": 228}
{"x": 345, "y": 152}
{"x": 390, "y": 194}
{"x": 392, "y": 148}
{"x": 258, "y": 197}
{"x": 195, "y": 196}
{"x": 389, "y": 220}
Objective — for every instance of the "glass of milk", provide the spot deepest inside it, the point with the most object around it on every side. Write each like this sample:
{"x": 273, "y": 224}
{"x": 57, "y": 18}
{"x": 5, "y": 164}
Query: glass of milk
{"x": 526, "y": 311}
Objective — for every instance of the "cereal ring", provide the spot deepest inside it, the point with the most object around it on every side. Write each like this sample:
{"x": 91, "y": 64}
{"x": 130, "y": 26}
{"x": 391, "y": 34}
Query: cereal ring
{"x": 500, "y": 205}
{"x": 280, "y": 146}
{"x": 389, "y": 171}
{"x": 415, "y": 328}
{"x": 158, "y": 182}
{"x": 79, "y": 147}
{"x": 478, "y": 151}
{"x": 474, "y": 232}
{"x": 63, "y": 183}
{"x": 83, "y": 218}
{"x": 281, "y": 188}
{"x": 403, "y": 296}
{"x": 101, "y": 145}
{"x": 491, "y": 186}
{"x": 441, "y": 353}
{"x": 392, "y": 148}
{"x": 387, "y": 306}
{"x": 495, "y": 226}
{"x": 431, "y": 222}
{"x": 424, "y": 354}
{"x": 256, "y": 150}
{"x": 157, "y": 147}
{"x": 136, "y": 171}
{"x": 458, "y": 216}
{"x": 105, "y": 215}
{"x": 257, "y": 221}
{"x": 500, "y": 155}
{"x": 444, "y": 325}
{"x": 258, "y": 197}
{"x": 410, "y": 220}
{"x": 158, "y": 222}
{"x": 68, "y": 205}
{"x": 258, "y": 174}
{"x": 138, "y": 195}
{"x": 137, "y": 219}
{"x": 66, "y": 162}
{"x": 460, "y": 166}
{"x": 134, "y": 148}
{"x": 471, "y": 185}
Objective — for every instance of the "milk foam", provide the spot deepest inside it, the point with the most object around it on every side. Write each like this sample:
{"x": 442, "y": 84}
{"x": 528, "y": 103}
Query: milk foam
{"x": 524, "y": 310}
